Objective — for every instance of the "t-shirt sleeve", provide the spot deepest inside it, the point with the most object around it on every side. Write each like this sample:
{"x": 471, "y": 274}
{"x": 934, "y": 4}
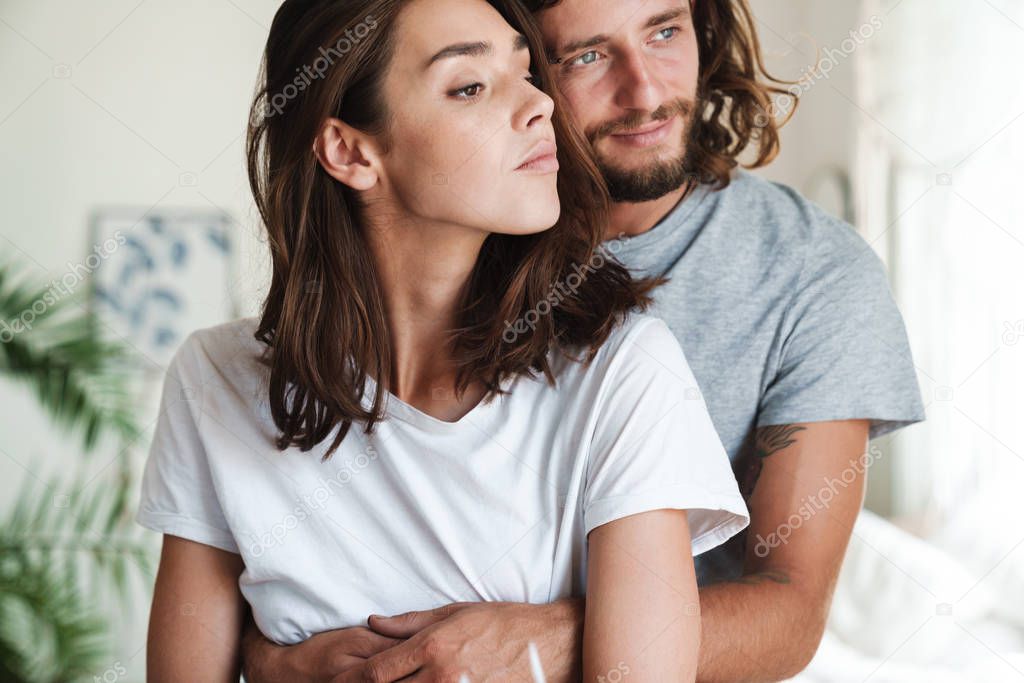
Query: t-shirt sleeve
{"x": 178, "y": 495}
{"x": 845, "y": 353}
{"x": 654, "y": 445}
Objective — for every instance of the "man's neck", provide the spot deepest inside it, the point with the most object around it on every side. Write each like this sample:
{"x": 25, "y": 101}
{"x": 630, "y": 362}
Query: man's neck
{"x": 631, "y": 219}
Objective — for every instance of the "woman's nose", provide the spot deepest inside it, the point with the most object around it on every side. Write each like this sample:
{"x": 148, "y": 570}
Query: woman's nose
{"x": 538, "y": 109}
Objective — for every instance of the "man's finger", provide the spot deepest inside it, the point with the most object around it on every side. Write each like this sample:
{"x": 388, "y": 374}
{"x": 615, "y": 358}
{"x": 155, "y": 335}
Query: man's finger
{"x": 366, "y": 643}
{"x": 424, "y": 675}
{"x": 409, "y": 624}
{"x": 390, "y": 665}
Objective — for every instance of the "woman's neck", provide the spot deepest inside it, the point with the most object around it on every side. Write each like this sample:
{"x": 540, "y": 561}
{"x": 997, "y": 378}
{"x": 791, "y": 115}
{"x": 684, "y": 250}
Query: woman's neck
{"x": 424, "y": 267}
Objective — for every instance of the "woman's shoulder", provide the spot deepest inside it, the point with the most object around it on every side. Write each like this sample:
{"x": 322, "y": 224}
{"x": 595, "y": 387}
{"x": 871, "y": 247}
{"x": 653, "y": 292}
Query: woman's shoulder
{"x": 639, "y": 333}
{"x": 636, "y": 324}
{"x": 231, "y": 332}
{"x": 639, "y": 342}
{"x": 223, "y": 349}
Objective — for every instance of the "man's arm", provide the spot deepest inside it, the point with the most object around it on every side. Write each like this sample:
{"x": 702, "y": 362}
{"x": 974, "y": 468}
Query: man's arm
{"x": 807, "y": 490}
{"x": 489, "y": 638}
{"x": 315, "y": 660}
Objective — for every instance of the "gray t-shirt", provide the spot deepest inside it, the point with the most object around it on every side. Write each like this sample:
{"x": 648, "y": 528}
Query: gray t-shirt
{"x": 785, "y": 315}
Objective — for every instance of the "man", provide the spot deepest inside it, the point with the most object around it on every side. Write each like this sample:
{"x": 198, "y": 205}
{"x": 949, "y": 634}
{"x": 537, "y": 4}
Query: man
{"x": 786, "y": 318}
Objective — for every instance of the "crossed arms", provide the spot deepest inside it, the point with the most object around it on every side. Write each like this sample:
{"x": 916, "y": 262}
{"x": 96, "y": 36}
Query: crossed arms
{"x": 764, "y": 626}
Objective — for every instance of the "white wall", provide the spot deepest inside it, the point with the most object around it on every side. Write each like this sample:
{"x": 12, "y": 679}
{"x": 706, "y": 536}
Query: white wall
{"x": 796, "y": 35}
{"x": 110, "y": 103}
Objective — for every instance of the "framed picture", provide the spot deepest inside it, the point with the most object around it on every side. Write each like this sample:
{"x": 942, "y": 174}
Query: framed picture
{"x": 160, "y": 276}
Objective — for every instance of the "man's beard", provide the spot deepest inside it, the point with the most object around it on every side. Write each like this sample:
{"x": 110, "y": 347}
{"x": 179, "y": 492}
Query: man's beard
{"x": 657, "y": 180}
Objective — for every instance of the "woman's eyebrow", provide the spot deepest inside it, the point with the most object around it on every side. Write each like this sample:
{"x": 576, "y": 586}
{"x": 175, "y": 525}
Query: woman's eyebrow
{"x": 477, "y": 49}
{"x": 474, "y": 49}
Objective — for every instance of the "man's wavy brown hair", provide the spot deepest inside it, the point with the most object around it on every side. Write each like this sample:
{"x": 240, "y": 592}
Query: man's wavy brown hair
{"x": 735, "y": 89}
{"x": 323, "y": 320}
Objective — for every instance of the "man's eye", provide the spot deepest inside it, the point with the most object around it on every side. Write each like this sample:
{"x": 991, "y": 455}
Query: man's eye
{"x": 469, "y": 92}
{"x": 584, "y": 59}
{"x": 671, "y": 32}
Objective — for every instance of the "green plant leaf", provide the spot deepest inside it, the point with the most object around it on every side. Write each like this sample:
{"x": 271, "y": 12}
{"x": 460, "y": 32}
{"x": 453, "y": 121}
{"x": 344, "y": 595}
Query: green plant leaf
{"x": 80, "y": 379}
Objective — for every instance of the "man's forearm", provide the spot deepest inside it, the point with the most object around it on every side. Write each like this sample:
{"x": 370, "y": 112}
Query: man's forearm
{"x": 565, "y": 660}
{"x": 259, "y": 665}
{"x": 756, "y": 629}
{"x": 467, "y": 636}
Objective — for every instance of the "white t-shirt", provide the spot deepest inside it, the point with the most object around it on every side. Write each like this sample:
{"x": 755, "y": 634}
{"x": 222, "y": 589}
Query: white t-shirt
{"x": 493, "y": 507}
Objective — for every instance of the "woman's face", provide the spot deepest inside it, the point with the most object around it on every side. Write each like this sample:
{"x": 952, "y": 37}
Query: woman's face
{"x": 464, "y": 116}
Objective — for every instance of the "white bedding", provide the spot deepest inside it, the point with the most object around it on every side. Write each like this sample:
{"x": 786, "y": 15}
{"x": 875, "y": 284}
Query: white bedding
{"x": 906, "y": 611}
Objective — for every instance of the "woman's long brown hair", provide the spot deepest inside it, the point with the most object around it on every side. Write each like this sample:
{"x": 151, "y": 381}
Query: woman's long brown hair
{"x": 323, "y": 319}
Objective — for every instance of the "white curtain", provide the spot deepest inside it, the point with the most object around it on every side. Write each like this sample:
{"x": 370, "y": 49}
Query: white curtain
{"x": 940, "y": 193}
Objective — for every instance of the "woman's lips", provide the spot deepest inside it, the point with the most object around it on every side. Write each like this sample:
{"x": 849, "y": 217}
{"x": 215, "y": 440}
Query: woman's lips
{"x": 645, "y": 136}
{"x": 544, "y": 164}
{"x": 542, "y": 159}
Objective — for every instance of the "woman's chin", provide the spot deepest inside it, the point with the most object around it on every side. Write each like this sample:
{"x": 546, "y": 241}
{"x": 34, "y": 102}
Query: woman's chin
{"x": 535, "y": 222}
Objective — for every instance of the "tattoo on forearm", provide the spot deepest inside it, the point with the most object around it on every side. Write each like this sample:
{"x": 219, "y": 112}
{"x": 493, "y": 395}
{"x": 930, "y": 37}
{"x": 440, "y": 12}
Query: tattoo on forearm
{"x": 768, "y": 440}
{"x": 776, "y": 437}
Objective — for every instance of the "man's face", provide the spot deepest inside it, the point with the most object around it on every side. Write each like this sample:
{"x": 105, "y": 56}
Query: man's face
{"x": 628, "y": 70}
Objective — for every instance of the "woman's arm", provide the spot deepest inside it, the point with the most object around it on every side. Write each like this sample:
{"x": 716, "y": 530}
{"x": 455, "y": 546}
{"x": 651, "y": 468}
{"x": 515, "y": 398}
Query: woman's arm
{"x": 195, "y": 624}
{"x": 642, "y": 616}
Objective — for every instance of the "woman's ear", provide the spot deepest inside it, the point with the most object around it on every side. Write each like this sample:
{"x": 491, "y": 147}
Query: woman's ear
{"x": 348, "y": 155}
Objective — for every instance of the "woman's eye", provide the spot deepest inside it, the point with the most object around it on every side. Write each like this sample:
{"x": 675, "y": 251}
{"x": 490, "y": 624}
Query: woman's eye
{"x": 533, "y": 79}
{"x": 469, "y": 92}
{"x": 584, "y": 59}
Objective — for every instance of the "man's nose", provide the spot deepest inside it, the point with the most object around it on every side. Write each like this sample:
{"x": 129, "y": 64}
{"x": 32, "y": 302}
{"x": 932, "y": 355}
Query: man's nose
{"x": 637, "y": 88}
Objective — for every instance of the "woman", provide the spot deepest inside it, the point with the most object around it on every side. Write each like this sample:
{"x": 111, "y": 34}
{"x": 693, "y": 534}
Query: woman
{"x": 491, "y": 416}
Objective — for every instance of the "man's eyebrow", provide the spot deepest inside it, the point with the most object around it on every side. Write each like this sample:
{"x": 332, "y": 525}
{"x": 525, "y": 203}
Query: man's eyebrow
{"x": 474, "y": 49}
{"x": 586, "y": 42}
{"x": 594, "y": 41}
{"x": 666, "y": 16}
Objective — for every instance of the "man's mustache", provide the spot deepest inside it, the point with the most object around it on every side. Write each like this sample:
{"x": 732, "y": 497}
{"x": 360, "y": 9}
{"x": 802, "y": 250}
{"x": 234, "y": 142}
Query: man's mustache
{"x": 679, "y": 107}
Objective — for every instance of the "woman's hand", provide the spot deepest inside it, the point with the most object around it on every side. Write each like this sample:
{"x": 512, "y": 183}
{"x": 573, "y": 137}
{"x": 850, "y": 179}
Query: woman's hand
{"x": 642, "y": 611}
{"x": 195, "y": 624}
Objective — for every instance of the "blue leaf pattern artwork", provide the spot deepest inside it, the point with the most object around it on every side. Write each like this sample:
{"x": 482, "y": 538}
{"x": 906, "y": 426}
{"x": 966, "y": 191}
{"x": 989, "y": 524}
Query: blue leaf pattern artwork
{"x": 155, "y": 281}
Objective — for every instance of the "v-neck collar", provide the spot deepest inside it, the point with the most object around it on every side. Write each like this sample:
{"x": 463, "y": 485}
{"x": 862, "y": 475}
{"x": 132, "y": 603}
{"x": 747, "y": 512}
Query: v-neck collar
{"x": 478, "y": 417}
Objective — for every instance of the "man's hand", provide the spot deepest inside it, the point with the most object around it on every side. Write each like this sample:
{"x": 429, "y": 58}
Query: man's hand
{"x": 484, "y": 641}
{"x": 318, "y": 659}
